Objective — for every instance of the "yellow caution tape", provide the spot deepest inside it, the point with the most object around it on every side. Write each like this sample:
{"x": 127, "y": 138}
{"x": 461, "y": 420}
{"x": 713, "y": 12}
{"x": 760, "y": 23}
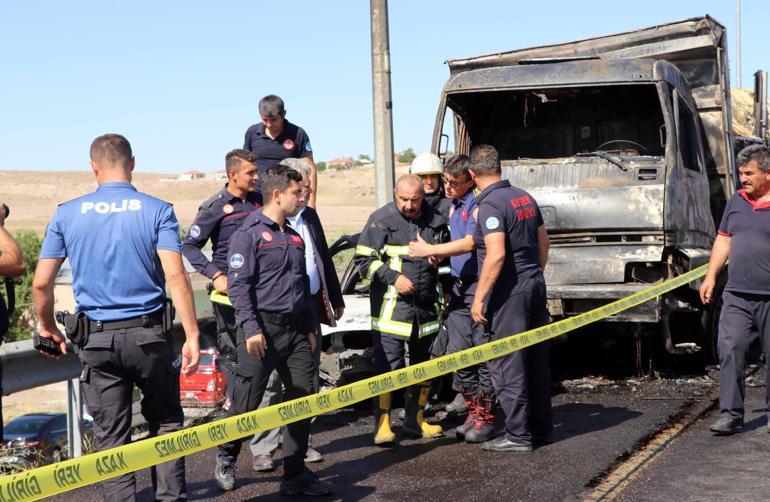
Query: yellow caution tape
{"x": 74, "y": 473}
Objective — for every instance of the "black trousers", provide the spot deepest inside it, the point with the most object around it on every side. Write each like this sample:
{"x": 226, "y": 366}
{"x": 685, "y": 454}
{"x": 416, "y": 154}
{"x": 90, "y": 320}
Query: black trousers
{"x": 522, "y": 380}
{"x": 113, "y": 361}
{"x": 226, "y": 342}
{"x": 390, "y": 350}
{"x": 464, "y": 333}
{"x": 288, "y": 352}
{"x": 744, "y": 317}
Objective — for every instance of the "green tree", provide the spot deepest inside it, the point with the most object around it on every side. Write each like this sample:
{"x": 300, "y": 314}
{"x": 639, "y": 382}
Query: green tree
{"x": 364, "y": 157}
{"x": 22, "y": 321}
{"x": 407, "y": 156}
{"x": 320, "y": 166}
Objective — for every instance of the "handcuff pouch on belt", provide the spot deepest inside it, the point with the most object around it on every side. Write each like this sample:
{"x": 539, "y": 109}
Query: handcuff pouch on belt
{"x": 76, "y": 326}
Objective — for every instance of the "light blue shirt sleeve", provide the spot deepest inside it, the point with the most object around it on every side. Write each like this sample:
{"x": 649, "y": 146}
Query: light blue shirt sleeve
{"x": 168, "y": 231}
{"x": 53, "y": 243}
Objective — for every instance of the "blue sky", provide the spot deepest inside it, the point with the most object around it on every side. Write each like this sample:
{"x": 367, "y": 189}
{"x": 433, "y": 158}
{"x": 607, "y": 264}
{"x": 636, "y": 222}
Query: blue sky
{"x": 182, "y": 79}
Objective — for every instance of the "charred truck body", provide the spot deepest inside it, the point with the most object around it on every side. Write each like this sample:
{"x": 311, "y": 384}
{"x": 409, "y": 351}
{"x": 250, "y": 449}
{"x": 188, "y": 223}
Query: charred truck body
{"x": 626, "y": 142}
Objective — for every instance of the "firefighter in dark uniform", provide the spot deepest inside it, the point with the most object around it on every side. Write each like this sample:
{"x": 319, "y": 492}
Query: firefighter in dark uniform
{"x": 124, "y": 250}
{"x": 217, "y": 219}
{"x": 744, "y": 237}
{"x": 275, "y": 139}
{"x": 512, "y": 249}
{"x": 476, "y": 392}
{"x": 403, "y": 296}
{"x": 269, "y": 289}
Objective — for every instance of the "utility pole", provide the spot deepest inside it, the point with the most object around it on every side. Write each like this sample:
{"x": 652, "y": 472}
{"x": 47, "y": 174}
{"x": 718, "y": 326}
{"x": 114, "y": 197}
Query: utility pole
{"x": 382, "y": 104}
{"x": 738, "y": 42}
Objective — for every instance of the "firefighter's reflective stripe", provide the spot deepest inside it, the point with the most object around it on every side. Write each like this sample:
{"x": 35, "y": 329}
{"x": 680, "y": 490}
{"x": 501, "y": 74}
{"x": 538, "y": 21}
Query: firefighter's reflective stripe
{"x": 429, "y": 328}
{"x": 218, "y": 297}
{"x": 385, "y": 323}
{"x": 395, "y": 250}
{"x": 362, "y": 250}
{"x": 444, "y": 270}
{"x": 404, "y": 328}
{"x": 392, "y": 327}
{"x": 373, "y": 268}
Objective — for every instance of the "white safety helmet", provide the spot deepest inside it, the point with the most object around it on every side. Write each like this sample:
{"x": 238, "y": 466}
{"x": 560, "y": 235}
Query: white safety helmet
{"x": 426, "y": 163}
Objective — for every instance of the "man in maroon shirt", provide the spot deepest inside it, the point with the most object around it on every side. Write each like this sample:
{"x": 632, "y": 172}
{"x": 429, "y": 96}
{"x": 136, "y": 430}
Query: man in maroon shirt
{"x": 744, "y": 238}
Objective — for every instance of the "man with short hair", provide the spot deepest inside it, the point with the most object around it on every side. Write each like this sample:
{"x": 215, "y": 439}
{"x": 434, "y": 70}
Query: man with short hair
{"x": 744, "y": 238}
{"x": 403, "y": 297}
{"x": 512, "y": 249}
{"x": 476, "y": 392}
{"x": 217, "y": 219}
{"x": 123, "y": 247}
{"x": 12, "y": 265}
{"x": 326, "y": 303}
{"x": 275, "y": 139}
{"x": 268, "y": 287}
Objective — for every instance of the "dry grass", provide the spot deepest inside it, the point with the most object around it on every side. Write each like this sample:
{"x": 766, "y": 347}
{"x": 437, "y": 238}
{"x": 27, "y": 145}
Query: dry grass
{"x": 345, "y": 198}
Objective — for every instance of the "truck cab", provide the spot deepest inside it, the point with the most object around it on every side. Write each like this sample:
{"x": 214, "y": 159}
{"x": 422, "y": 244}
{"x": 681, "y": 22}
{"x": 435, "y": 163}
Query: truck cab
{"x": 625, "y": 143}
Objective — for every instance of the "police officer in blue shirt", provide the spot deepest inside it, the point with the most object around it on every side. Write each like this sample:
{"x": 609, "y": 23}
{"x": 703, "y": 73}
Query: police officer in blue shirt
{"x": 217, "y": 219}
{"x": 476, "y": 392}
{"x": 512, "y": 249}
{"x": 269, "y": 289}
{"x": 275, "y": 139}
{"x": 123, "y": 247}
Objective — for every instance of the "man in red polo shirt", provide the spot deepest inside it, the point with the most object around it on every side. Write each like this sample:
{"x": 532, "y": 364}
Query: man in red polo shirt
{"x": 744, "y": 238}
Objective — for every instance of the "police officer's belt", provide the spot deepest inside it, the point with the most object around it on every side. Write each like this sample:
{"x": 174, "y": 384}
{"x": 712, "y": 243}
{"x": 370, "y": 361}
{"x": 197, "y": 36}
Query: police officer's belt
{"x": 145, "y": 321}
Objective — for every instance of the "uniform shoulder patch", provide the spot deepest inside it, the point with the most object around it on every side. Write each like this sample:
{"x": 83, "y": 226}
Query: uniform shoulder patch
{"x": 236, "y": 260}
{"x": 492, "y": 223}
{"x": 195, "y": 231}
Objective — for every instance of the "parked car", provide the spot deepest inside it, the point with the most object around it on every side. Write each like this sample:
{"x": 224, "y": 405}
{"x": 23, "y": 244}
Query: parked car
{"x": 36, "y": 438}
{"x": 206, "y": 387}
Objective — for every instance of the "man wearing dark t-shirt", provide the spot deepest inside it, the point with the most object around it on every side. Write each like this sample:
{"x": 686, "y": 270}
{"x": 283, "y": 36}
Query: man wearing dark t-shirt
{"x": 744, "y": 238}
{"x": 512, "y": 250}
{"x": 275, "y": 139}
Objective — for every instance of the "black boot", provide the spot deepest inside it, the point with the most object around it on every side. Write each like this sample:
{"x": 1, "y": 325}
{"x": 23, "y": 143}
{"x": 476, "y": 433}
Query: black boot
{"x": 471, "y": 404}
{"x": 484, "y": 426}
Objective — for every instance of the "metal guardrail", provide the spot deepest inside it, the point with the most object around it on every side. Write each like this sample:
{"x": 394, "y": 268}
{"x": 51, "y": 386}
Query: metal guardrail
{"x": 24, "y": 368}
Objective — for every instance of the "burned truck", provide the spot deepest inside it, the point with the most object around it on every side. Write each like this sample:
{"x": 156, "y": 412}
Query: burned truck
{"x": 626, "y": 142}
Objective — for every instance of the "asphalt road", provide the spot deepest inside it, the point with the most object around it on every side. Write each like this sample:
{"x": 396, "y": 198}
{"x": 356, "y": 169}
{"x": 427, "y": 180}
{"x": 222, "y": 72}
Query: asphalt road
{"x": 598, "y": 423}
{"x": 700, "y": 466}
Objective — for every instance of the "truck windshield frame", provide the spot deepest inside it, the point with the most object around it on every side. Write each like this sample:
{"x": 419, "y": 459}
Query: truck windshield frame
{"x": 552, "y": 123}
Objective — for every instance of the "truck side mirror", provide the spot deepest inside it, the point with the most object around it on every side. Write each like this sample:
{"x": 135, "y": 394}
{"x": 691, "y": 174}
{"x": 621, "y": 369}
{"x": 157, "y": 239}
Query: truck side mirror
{"x": 662, "y": 132}
{"x": 443, "y": 145}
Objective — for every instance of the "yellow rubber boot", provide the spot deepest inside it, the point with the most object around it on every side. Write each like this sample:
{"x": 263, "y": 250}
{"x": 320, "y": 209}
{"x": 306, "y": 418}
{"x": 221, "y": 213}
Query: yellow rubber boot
{"x": 414, "y": 420}
{"x": 383, "y": 436}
